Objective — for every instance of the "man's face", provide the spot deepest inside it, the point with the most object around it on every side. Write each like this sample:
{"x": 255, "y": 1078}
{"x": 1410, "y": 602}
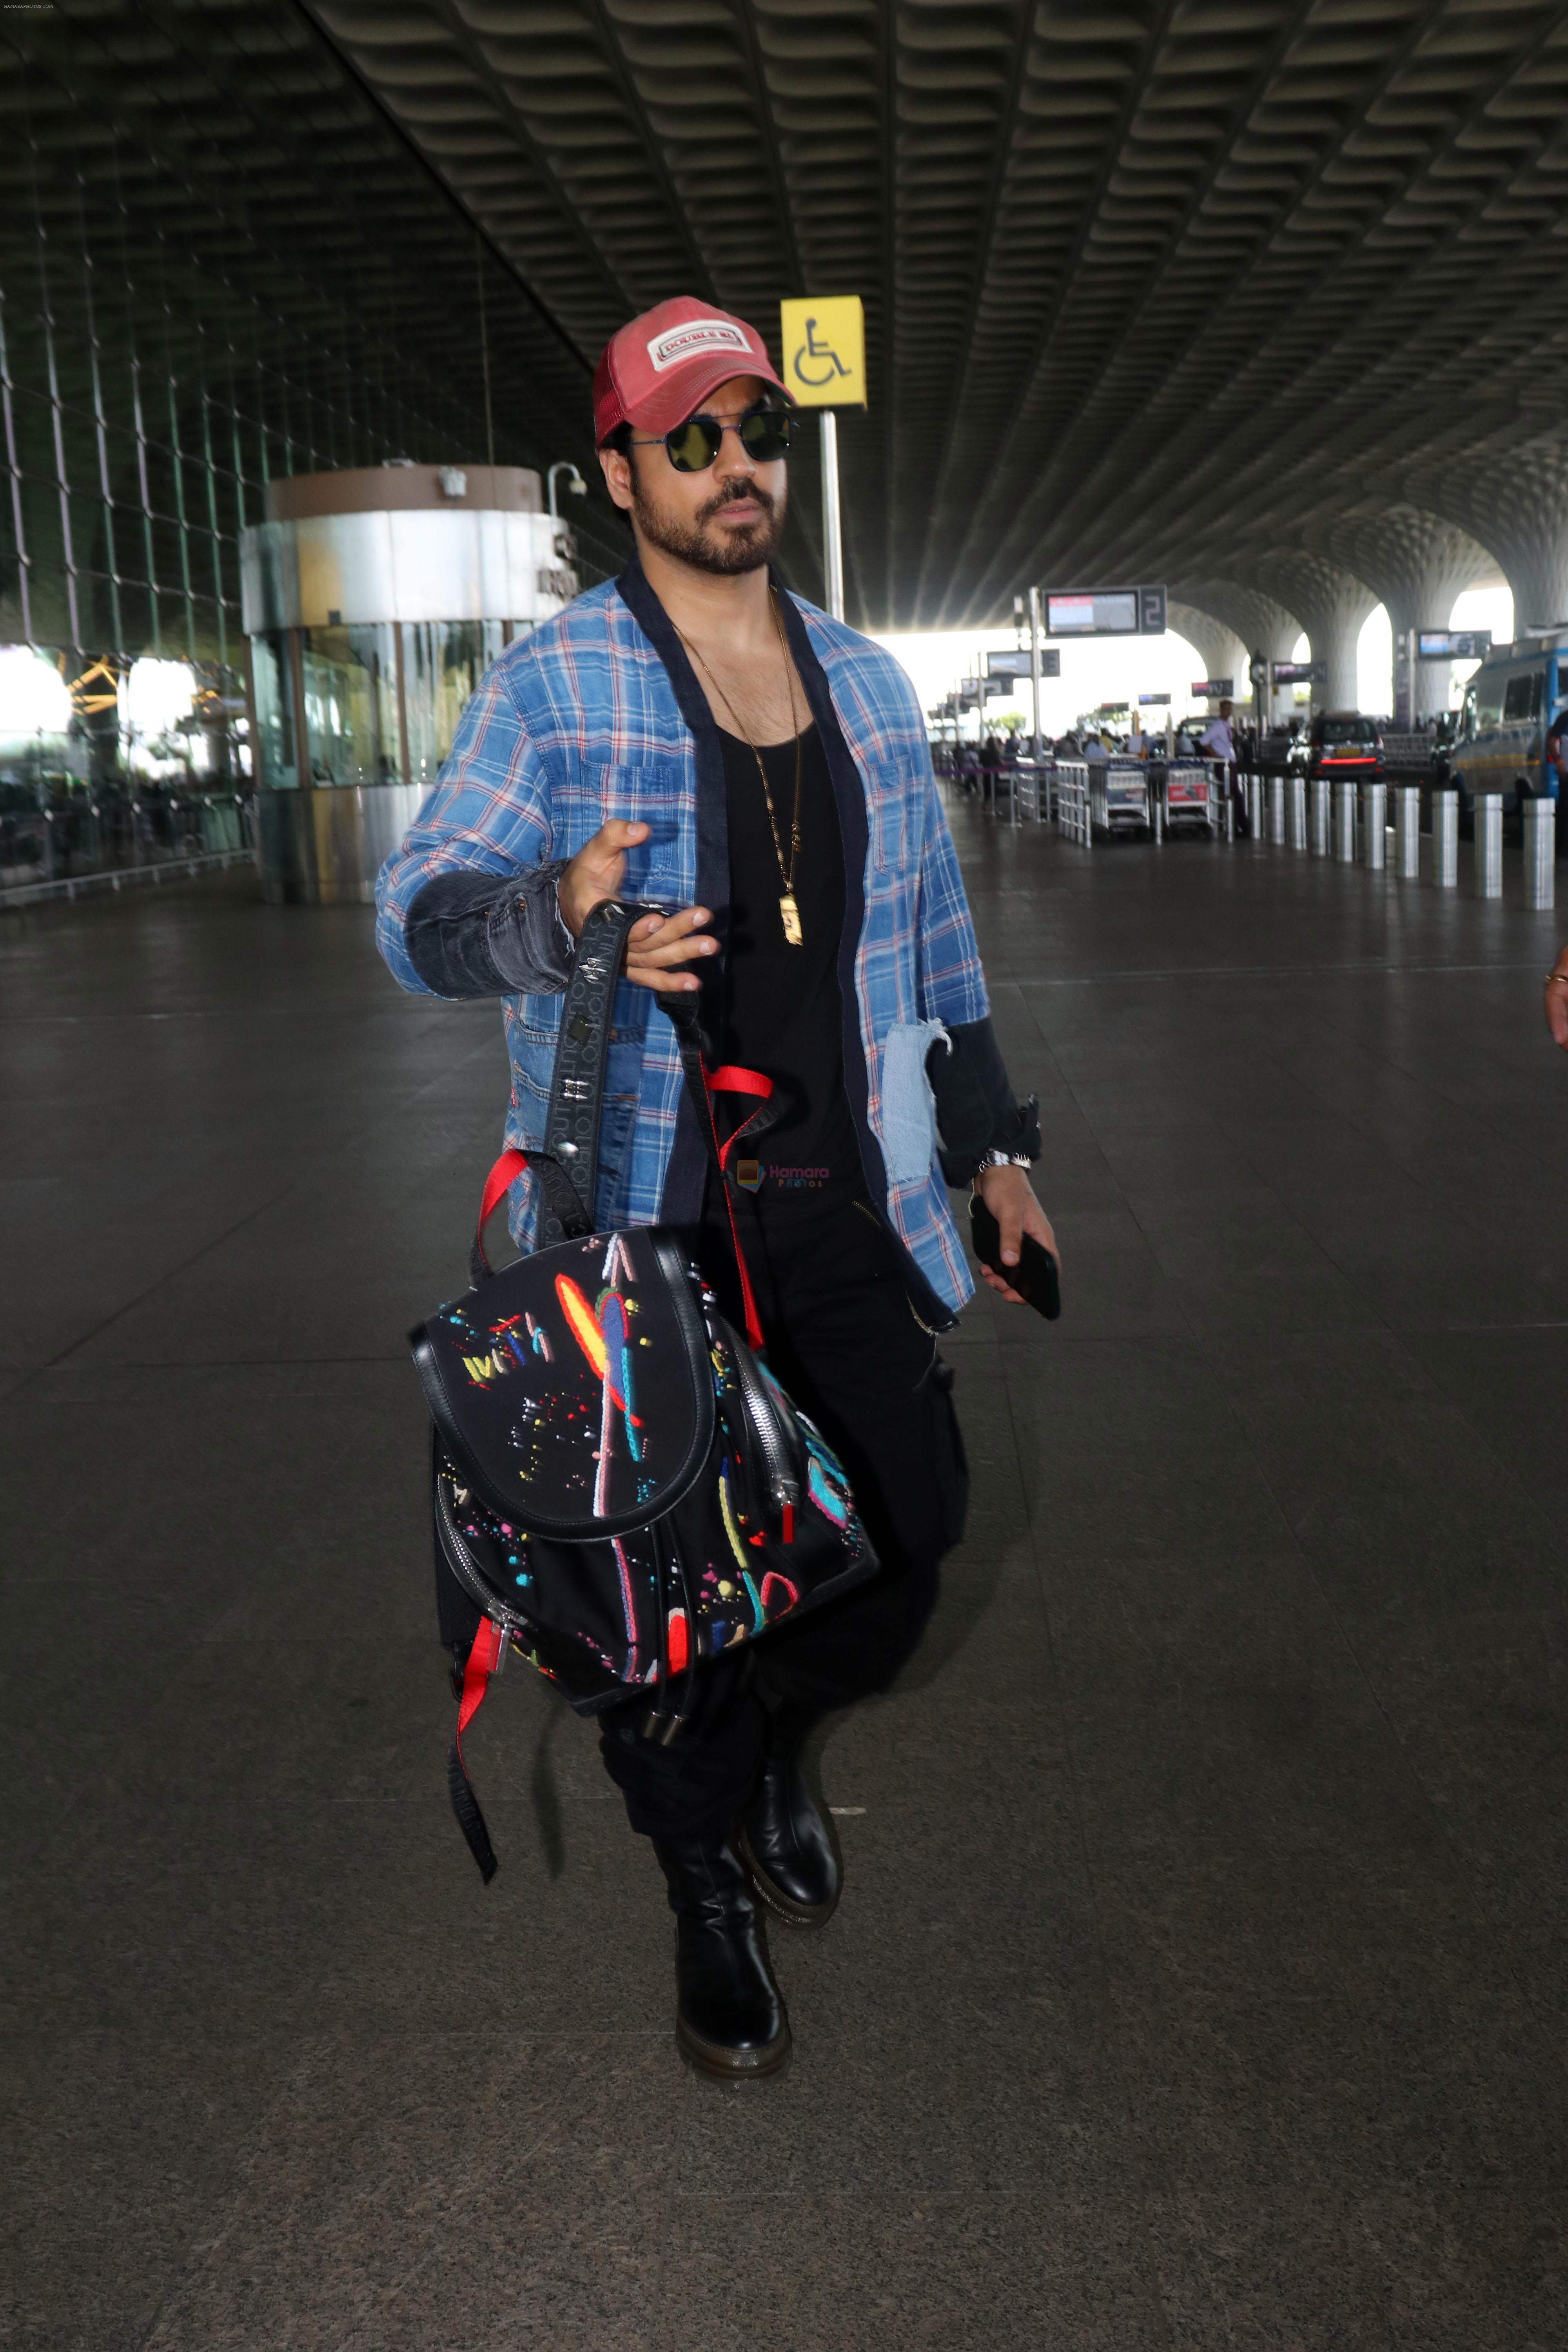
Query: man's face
{"x": 725, "y": 520}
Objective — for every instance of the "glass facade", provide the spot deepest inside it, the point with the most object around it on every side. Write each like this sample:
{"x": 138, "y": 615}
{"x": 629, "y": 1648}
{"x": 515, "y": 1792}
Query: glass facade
{"x": 349, "y": 682}
{"x": 360, "y": 690}
{"x": 444, "y": 662}
{"x": 271, "y": 667}
{"x": 177, "y": 328}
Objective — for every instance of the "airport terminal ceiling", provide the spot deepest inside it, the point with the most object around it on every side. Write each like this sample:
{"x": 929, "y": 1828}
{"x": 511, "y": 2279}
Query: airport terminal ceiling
{"x": 1260, "y": 299}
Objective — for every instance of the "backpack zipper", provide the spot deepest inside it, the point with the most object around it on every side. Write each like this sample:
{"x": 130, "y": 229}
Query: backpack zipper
{"x": 467, "y": 1571}
{"x": 757, "y": 1406}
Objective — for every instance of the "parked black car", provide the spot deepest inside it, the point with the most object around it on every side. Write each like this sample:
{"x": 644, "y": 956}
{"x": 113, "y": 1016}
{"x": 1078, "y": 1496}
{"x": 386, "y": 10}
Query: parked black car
{"x": 1344, "y": 744}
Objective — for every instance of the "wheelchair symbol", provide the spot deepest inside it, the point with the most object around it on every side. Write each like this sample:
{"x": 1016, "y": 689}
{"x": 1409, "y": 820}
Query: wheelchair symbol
{"x": 811, "y": 349}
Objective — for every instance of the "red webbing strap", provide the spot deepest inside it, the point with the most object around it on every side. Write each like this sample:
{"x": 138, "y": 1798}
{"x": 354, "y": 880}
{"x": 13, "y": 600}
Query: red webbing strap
{"x": 560, "y": 1202}
{"x": 501, "y": 1177}
{"x": 730, "y": 1079}
{"x": 483, "y": 1659}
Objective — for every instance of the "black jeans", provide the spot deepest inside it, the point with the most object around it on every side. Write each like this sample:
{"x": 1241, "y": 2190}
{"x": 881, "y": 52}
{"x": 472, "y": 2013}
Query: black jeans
{"x": 844, "y": 1341}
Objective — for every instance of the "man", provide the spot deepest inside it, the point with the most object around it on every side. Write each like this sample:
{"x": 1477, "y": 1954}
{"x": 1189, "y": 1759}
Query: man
{"x": 1217, "y": 742}
{"x": 692, "y": 736}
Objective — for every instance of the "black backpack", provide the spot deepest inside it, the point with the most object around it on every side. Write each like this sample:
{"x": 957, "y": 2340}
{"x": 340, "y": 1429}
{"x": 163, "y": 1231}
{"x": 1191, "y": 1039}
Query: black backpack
{"x": 620, "y": 1487}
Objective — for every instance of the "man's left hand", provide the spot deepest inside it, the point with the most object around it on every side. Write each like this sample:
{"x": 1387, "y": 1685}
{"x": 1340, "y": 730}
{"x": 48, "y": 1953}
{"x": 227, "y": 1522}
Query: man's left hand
{"x": 1009, "y": 1196}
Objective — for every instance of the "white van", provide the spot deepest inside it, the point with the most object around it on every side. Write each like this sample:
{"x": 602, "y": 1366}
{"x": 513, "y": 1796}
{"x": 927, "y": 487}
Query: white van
{"x": 1512, "y": 729}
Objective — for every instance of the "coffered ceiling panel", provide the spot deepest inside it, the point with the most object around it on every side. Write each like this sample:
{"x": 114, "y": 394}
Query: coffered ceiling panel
{"x": 1152, "y": 291}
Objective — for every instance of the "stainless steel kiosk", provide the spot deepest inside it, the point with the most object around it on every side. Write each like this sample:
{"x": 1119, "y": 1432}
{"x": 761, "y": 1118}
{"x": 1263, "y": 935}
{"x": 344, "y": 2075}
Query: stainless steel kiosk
{"x": 374, "y": 603}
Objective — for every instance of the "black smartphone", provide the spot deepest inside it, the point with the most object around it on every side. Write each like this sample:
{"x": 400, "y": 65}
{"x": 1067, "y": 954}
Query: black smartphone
{"x": 1035, "y": 1277}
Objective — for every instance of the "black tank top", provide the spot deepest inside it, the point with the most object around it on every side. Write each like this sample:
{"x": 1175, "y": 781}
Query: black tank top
{"x": 784, "y": 1007}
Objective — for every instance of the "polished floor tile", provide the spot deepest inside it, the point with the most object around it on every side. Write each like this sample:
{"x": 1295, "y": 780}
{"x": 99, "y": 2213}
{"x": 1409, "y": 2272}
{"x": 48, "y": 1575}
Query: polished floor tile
{"x": 1199, "y": 1984}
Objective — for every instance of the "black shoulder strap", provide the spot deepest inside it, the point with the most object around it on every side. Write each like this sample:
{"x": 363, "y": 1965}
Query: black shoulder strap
{"x": 577, "y": 1085}
{"x": 566, "y": 1166}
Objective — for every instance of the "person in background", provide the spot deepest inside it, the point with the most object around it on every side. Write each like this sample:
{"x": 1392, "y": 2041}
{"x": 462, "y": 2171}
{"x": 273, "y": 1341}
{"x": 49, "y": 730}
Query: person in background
{"x": 1217, "y": 742}
{"x": 1137, "y": 741}
{"x": 1557, "y": 979}
{"x": 1557, "y": 757}
{"x": 1557, "y": 999}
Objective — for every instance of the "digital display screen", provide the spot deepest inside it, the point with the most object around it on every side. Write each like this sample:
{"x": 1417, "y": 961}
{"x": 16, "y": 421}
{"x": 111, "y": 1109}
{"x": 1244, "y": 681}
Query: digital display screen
{"x": 1452, "y": 644}
{"x": 1112, "y": 613}
{"x": 1015, "y": 668}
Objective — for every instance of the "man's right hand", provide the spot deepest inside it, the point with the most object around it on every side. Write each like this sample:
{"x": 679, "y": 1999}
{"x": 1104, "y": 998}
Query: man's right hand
{"x": 659, "y": 944}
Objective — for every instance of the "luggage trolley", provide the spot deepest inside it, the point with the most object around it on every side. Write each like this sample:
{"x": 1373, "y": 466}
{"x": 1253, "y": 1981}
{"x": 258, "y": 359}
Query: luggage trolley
{"x": 1119, "y": 796}
{"x": 1188, "y": 804}
{"x": 1031, "y": 790}
{"x": 1070, "y": 796}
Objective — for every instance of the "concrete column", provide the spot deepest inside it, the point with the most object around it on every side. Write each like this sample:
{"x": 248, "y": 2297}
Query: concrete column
{"x": 1263, "y": 626}
{"x": 1535, "y": 564}
{"x": 1221, "y": 651}
{"x": 1333, "y": 604}
{"x": 1516, "y": 502}
{"x": 1418, "y": 565}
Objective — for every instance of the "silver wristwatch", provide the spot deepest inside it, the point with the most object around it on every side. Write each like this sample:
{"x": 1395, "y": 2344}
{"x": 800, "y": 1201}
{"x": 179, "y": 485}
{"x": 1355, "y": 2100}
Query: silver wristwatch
{"x": 1007, "y": 1159}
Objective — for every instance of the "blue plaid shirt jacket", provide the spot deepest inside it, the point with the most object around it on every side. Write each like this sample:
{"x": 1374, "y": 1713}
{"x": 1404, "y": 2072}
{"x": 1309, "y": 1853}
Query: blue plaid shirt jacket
{"x": 598, "y": 715}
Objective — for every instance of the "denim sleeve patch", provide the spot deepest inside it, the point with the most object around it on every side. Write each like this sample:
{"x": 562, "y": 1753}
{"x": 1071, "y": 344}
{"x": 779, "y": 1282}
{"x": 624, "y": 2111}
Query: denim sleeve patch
{"x": 908, "y": 1106}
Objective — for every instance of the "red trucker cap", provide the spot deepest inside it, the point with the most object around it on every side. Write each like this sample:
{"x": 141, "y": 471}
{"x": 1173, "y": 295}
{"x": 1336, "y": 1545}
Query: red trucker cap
{"x": 656, "y": 368}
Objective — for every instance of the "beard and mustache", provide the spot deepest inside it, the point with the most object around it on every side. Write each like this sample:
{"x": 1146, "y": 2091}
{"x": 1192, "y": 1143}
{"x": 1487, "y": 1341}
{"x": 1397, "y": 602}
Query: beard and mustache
{"x": 722, "y": 553}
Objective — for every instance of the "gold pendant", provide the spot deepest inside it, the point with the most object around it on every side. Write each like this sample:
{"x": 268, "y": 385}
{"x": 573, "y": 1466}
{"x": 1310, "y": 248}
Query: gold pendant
{"x": 789, "y": 914}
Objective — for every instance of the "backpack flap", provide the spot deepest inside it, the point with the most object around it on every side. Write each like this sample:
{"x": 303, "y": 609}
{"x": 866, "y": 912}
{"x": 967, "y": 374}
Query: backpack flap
{"x": 574, "y": 1389}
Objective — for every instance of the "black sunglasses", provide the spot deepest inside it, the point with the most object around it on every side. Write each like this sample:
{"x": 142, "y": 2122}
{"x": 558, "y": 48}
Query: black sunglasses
{"x": 692, "y": 446}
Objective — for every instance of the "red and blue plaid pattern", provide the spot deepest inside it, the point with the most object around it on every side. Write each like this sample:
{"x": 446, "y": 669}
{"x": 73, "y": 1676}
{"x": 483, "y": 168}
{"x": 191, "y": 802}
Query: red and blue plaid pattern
{"x": 578, "y": 722}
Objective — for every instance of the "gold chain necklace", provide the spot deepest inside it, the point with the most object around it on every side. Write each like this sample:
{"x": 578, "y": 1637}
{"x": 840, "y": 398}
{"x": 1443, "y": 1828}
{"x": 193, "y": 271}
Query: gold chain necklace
{"x": 789, "y": 913}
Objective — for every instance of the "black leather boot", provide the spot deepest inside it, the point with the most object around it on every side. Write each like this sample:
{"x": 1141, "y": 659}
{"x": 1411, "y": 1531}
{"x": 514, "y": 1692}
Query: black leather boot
{"x": 730, "y": 2017}
{"x": 782, "y": 1840}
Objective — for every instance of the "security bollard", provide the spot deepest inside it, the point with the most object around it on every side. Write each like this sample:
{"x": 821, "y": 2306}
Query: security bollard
{"x": 1156, "y": 814}
{"x": 1277, "y": 811}
{"x": 1254, "y": 811}
{"x": 1407, "y": 831}
{"x": 1374, "y": 828}
{"x": 1446, "y": 839}
{"x": 1296, "y": 790}
{"x": 1344, "y": 822}
{"x": 1319, "y": 816}
{"x": 1539, "y": 851}
{"x": 1489, "y": 844}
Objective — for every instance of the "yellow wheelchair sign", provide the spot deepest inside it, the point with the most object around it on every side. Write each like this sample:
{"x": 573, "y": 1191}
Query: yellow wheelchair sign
{"x": 823, "y": 341}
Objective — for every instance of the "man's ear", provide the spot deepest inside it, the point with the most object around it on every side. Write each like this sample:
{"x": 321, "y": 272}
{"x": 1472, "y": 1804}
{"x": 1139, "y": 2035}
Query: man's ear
{"x": 618, "y": 472}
